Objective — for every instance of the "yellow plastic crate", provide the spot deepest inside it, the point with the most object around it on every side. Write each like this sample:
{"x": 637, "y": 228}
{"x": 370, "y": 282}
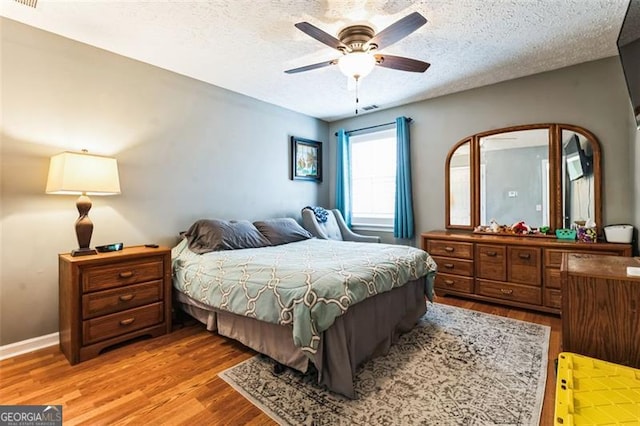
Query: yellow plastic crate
{"x": 590, "y": 391}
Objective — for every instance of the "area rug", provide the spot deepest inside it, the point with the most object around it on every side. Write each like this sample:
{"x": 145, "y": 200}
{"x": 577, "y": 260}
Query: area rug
{"x": 457, "y": 367}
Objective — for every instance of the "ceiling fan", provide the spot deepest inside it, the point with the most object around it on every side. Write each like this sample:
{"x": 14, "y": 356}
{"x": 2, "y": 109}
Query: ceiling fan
{"x": 357, "y": 44}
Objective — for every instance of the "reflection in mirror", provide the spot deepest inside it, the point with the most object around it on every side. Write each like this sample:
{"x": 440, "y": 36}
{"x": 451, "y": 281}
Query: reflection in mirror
{"x": 514, "y": 178}
{"x": 460, "y": 186}
{"x": 577, "y": 179}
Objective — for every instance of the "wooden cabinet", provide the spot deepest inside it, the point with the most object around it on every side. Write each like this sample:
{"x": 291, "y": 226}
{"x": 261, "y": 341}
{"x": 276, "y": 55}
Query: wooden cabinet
{"x": 524, "y": 265}
{"x": 108, "y": 298}
{"x": 601, "y": 308}
{"x": 518, "y": 271}
{"x": 492, "y": 262}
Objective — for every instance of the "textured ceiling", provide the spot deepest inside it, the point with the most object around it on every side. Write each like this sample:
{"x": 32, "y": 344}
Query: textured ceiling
{"x": 245, "y": 46}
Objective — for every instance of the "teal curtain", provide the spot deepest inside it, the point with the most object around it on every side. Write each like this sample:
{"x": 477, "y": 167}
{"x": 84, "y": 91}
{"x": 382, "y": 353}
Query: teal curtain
{"x": 343, "y": 176}
{"x": 403, "y": 218}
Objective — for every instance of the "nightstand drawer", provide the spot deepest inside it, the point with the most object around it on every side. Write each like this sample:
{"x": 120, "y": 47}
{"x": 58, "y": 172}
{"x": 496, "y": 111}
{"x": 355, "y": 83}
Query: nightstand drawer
{"x": 123, "y": 273}
{"x": 102, "y": 328}
{"x": 119, "y": 299}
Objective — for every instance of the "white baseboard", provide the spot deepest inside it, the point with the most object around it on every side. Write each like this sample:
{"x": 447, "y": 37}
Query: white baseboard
{"x": 29, "y": 345}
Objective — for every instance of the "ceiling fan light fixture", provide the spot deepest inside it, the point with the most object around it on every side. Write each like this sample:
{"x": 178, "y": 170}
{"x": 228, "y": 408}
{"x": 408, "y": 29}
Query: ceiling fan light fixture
{"x": 357, "y": 64}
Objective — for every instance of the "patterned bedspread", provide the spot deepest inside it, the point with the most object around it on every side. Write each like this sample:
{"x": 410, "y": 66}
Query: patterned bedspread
{"x": 306, "y": 284}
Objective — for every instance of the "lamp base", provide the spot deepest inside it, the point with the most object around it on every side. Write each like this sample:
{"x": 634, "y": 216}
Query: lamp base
{"x": 83, "y": 252}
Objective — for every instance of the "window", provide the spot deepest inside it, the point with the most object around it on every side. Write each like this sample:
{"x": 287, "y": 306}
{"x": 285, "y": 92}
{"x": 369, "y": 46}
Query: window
{"x": 373, "y": 179}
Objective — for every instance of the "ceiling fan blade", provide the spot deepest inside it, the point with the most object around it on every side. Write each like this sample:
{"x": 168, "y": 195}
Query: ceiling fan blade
{"x": 312, "y": 66}
{"x": 401, "y": 63}
{"x": 321, "y": 36}
{"x": 398, "y": 30}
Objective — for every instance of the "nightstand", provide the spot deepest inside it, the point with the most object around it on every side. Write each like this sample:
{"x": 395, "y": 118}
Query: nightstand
{"x": 109, "y": 298}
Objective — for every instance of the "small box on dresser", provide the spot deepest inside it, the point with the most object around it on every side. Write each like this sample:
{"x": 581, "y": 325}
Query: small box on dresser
{"x": 109, "y": 298}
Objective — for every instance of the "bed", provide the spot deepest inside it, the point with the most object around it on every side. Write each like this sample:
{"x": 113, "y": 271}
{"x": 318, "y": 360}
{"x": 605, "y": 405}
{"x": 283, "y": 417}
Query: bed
{"x": 301, "y": 301}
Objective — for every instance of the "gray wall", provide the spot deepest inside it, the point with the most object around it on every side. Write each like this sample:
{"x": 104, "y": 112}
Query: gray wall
{"x": 592, "y": 95}
{"x": 185, "y": 150}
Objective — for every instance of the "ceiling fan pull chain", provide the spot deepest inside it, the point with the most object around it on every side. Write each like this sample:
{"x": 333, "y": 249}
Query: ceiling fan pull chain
{"x": 357, "y": 84}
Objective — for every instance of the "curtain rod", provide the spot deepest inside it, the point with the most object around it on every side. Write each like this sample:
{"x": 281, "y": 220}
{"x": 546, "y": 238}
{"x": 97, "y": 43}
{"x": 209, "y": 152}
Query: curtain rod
{"x": 372, "y": 127}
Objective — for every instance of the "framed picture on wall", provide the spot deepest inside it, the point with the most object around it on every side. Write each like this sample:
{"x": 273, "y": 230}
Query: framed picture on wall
{"x": 306, "y": 159}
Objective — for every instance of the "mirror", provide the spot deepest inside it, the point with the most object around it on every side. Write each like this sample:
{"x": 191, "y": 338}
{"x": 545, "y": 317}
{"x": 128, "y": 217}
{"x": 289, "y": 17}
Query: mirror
{"x": 514, "y": 178}
{"x": 578, "y": 179}
{"x": 542, "y": 174}
{"x": 459, "y": 194}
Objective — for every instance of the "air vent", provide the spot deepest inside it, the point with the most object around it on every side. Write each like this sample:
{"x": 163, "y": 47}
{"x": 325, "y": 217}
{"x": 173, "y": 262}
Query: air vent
{"x": 370, "y": 107}
{"x": 30, "y": 3}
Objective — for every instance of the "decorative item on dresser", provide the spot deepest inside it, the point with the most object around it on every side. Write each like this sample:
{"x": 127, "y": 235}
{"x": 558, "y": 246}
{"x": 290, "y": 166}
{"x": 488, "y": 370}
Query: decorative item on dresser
{"x": 112, "y": 297}
{"x": 601, "y": 308}
{"x": 513, "y": 270}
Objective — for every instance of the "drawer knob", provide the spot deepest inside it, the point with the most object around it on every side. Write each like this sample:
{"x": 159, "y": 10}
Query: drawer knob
{"x": 449, "y": 282}
{"x": 525, "y": 255}
{"x": 127, "y": 274}
{"x": 448, "y": 265}
{"x": 126, "y": 297}
{"x": 506, "y": 291}
{"x": 449, "y": 249}
{"x": 127, "y": 321}
{"x": 491, "y": 253}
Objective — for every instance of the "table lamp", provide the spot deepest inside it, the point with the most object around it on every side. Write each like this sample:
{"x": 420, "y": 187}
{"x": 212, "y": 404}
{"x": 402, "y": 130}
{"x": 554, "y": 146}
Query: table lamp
{"x": 84, "y": 174}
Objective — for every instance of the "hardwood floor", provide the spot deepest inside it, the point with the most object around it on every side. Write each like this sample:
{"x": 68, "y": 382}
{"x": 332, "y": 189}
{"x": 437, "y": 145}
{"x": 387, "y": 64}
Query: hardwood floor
{"x": 173, "y": 379}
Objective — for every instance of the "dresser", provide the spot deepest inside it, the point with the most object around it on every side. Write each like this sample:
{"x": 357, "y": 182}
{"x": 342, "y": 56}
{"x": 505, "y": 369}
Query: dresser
{"x": 109, "y": 298}
{"x": 601, "y": 308}
{"x": 512, "y": 270}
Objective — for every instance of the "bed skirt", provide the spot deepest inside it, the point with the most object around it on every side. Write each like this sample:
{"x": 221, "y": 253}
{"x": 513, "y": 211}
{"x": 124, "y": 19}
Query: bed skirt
{"x": 366, "y": 330}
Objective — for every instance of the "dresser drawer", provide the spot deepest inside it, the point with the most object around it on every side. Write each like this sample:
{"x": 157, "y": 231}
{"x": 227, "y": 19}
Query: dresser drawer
{"x": 119, "y": 299}
{"x": 450, "y": 249}
{"x": 553, "y": 298}
{"x": 491, "y": 261}
{"x": 553, "y": 258}
{"x": 453, "y": 283}
{"x": 123, "y": 273}
{"x": 552, "y": 278}
{"x": 102, "y": 328}
{"x": 514, "y": 292}
{"x": 454, "y": 266}
{"x": 524, "y": 265}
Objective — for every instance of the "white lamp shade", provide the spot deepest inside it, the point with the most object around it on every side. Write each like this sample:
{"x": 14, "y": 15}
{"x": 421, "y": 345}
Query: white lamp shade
{"x": 76, "y": 173}
{"x": 356, "y": 64}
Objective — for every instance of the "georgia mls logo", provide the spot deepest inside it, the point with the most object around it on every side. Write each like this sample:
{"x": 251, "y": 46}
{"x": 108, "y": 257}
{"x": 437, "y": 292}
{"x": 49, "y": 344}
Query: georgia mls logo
{"x": 30, "y": 415}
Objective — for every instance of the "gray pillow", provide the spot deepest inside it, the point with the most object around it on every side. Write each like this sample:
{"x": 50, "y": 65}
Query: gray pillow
{"x": 281, "y": 231}
{"x": 208, "y": 235}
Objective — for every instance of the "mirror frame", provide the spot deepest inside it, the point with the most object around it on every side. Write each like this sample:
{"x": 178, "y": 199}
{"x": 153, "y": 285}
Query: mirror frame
{"x": 555, "y": 178}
